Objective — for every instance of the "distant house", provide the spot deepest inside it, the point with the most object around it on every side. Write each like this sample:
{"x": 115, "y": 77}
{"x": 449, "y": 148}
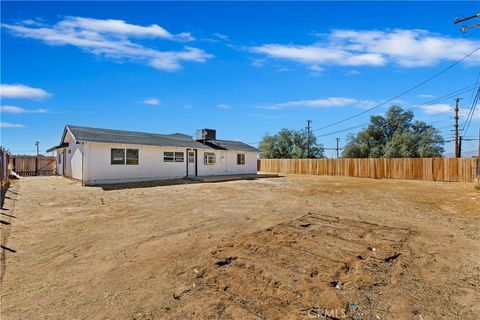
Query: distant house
{"x": 104, "y": 156}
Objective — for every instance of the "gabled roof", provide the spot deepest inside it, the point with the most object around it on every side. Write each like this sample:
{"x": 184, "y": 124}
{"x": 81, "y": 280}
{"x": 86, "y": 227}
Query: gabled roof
{"x": 60, "y": 146}
{"x": 152, "y": 139}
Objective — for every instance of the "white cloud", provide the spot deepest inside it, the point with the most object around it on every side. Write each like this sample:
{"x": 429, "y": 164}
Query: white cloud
{"x": 224, "y": 106}
{"x": 119, "y": 27}
{"x": 11, "y": 125}
{"x": 221, "y": 36}
{"x": 14, "y": 109}
{"x": 438, "y": 108}
{"x": 353, "y": 72}
{"x": 152, "y": 101}
{"x": 21, "y": 91}
{"x": 257, "y": 63}
{"x": 268, "y": 116}
{"x": 405, "y": 48}
{"x": 426, "y": 96}
{"x": 112, "y": 39}
{"x": 443, "y": 108}
{"x": 319, "y": 103}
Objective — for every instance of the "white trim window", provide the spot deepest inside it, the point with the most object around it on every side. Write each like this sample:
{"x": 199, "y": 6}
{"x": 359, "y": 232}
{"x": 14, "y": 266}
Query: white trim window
{"x": 132, "y": 156}
{"x": 117, "y": 156}
{"x": 179, "y": 156}
{"x": 209, "y": 158}
{"x": 123, "y": 156}
{"x": 240, "y": 158}
{"x": 170, "y": 156}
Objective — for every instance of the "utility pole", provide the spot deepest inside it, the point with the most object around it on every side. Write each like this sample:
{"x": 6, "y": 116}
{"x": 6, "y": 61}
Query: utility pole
{"x": 309, "y": 128}
{"x": 466, "y": 28}
{"x": 460, "y": 147}
{"x": 37, "y": 144}
{"x": 457, "y": 100}
{"x": 338, "y": 149}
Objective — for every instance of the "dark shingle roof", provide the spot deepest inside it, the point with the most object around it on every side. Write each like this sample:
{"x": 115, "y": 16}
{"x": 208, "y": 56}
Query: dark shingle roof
{"x": 152, "y": 139}
{"x": 230, "y": 145}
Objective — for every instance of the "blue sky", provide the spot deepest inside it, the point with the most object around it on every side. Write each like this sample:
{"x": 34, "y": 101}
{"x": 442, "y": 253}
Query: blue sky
{"x": 242, "y": 68}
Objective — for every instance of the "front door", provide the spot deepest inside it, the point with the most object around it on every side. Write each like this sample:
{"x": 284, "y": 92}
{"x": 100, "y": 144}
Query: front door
{"x": 191, "y": 163}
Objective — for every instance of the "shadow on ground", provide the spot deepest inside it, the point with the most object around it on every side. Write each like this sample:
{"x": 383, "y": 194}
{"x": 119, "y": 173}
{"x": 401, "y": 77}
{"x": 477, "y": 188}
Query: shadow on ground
{"x": 173, "y": 182}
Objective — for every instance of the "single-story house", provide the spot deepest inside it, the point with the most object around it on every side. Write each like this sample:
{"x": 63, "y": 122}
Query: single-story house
{"x": 104, "y": 156}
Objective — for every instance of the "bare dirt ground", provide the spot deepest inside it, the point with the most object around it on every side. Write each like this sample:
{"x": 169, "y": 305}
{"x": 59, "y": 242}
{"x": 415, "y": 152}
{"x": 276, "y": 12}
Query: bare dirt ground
{"x": 296, "y": 247}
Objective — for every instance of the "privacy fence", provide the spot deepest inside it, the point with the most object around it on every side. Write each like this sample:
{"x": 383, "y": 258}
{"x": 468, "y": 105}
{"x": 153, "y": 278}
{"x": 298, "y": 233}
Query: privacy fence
{"x": 4, "y": 171}
{"x": 432, "y": 169}
{"x": 33, "y": 165}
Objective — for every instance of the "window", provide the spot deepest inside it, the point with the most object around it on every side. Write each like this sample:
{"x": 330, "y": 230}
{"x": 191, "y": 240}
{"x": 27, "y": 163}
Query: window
{"x": 173, "y": 156}
{"x": 168, "y": 157}
{"x": 240, "y": 158}
{"x": 179, "y": 156}
{"x": 118, "y": 156}
{"x": 210, "y": 158}
{"x": 191, "y": 157}
{"x": 132, "y": 156}
{"x": 59, "y": 158}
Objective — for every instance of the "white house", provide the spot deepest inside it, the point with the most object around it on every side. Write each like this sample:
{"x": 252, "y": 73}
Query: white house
{"x": 104, "y": 156}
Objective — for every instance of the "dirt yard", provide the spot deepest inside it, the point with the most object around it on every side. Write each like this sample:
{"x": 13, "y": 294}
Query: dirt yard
{"x": 296, "y": 247}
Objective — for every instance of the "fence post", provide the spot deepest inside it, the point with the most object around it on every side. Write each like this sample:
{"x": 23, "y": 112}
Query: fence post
{"x": 36, "y": 166}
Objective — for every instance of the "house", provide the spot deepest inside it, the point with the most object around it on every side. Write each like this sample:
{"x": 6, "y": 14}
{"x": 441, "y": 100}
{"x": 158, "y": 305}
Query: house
{"x": 104, "y": 156}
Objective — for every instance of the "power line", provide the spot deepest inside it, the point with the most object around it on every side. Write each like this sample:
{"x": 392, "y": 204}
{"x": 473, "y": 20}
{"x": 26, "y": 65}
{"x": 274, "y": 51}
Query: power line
{"x": 444, "y": 97}
{"x": 402, "y": 93}
{"x": 471, "y": 113}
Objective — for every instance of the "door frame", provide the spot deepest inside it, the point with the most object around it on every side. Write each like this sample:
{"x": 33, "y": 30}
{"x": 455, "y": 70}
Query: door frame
{"x": 196, "y": 161}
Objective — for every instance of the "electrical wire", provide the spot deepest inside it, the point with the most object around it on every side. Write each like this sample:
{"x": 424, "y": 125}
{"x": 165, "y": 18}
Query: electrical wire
{"x": 471, "y": 113}
{"x": 402, "y": 93}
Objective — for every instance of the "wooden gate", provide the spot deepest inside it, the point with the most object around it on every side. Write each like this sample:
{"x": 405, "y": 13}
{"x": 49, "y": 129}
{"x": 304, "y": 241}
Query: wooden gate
{"x": 34, "y": 165}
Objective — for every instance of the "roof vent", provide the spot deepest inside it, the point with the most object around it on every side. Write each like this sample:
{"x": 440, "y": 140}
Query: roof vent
{"x": 206, "y": 134}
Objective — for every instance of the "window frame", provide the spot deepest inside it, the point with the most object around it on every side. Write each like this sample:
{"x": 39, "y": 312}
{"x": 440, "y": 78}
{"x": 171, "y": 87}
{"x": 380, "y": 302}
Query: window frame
{"x": 179, "y": 159}
{"x": 118, "y": 161}
{"x": 240, "y": 159}
{"x": 207, "y": 156}
{"x": 165, "y": 156}
{"x": 127, "y": 159}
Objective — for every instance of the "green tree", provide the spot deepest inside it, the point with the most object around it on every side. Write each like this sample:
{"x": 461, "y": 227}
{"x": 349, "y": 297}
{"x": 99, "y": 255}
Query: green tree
{"x": 395, "y": 136}
{"x": 290, "y": 144}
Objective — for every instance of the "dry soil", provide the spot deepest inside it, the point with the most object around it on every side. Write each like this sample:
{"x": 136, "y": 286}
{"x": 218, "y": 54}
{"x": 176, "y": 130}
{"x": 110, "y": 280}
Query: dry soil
{"x": 295, "y": 247}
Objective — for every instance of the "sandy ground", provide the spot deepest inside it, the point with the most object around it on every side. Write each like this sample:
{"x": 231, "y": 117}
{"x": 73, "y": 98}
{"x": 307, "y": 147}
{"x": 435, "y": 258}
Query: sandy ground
{"x": 296, "y": 247}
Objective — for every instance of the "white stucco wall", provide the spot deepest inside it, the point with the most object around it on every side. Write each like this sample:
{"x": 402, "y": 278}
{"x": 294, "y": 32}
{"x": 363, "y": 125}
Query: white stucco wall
{"x": 73, "y": 159}
{"x": 227, "y": 163}
{"x": 151, "y": 166}
{"x": 91, "y": 162}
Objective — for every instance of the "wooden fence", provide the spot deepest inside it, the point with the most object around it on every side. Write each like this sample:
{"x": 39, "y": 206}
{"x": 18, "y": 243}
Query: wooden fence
{"x": 4, "y": 172}
{"x": 34, "y": 165}
{"x": 432, "y": 169}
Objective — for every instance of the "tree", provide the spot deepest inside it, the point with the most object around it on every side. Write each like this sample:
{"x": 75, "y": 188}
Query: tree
{"x": 395, "y": 136}
{"x": 290, "y": 144}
